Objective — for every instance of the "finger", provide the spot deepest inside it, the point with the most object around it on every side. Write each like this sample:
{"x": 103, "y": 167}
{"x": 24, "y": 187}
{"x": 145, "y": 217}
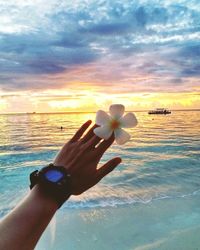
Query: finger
{"x": 107, "y": 168}
{"x": 93, "y": 142}
{"x": 89, "y": 134}
{"x": 104, "y": 145}
{"x": 81, "y": 130}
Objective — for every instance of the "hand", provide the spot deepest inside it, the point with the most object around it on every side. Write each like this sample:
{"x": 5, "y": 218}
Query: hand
{"x": 81, "y": 155}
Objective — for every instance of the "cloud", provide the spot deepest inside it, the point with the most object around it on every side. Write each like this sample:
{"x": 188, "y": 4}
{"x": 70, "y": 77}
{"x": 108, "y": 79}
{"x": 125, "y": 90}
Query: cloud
{"x": 116, "y": 41}
{"x": 187, "y": 60}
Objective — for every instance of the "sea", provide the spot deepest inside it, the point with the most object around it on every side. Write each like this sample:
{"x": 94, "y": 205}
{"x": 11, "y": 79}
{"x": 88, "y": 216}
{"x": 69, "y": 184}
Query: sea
{"x": 151, "y": 201}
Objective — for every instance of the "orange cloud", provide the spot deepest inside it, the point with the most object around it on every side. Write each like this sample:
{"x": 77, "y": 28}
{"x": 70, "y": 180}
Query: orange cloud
{"x": 90, "y": 100}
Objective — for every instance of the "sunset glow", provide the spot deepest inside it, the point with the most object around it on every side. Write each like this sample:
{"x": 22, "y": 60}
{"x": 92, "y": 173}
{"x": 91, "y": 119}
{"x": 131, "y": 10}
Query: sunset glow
{"x": 94, "y": 101}
{"x": 83, "y": 56}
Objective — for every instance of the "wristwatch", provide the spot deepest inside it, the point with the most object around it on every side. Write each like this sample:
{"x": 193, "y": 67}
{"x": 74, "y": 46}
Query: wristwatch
{"x": 54, "y": 181}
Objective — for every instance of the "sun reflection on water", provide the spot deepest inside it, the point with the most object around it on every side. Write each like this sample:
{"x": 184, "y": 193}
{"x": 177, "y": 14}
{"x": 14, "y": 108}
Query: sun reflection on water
{"x": 161, "y": 159}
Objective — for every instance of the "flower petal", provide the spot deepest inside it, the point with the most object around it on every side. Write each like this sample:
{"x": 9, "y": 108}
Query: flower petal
{"x": 128, "y": 121}
{"x": 102, "y": 117}
{"x": 116, "y": 110}
{"x": 103, "y": 132}
{"x": 121, "y": 136}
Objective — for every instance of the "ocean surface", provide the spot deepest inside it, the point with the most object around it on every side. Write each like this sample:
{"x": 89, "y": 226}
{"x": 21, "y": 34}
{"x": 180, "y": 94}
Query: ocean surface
{"x": 151, "y": 201}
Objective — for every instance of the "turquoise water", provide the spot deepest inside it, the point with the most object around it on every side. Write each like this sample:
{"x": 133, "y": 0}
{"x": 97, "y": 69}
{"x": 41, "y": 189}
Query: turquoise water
{"x": 158, "y": 178}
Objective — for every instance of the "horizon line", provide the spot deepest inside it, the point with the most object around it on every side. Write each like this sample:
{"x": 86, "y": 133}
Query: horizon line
{"x": 83, "y": 112}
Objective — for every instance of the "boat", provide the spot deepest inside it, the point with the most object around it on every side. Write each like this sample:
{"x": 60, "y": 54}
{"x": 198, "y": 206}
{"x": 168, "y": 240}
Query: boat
{"x": 159, "y": 111}
{"x": 30, "y": 113}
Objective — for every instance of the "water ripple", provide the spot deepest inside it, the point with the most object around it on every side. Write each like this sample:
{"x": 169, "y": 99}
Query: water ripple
{"x": 160, "y": 161}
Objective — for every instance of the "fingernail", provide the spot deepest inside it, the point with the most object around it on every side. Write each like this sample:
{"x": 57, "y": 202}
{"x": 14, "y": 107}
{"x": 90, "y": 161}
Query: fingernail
{"x": 118, "y": 160}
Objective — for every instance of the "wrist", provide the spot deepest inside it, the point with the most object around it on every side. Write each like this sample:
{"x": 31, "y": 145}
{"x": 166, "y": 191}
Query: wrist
{"x": 54, "y": 183}
{"x": 42, "y": 200}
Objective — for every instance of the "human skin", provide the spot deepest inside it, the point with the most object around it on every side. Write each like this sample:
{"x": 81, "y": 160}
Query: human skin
{"x": 24, "y": 225}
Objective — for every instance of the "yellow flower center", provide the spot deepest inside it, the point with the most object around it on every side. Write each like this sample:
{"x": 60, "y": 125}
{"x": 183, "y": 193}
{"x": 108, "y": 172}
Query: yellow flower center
{"x": 114, "y": 124}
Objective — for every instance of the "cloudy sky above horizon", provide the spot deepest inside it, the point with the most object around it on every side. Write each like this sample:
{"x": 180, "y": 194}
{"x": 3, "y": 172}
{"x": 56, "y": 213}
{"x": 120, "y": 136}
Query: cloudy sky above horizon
{"x": 56, "y": 55}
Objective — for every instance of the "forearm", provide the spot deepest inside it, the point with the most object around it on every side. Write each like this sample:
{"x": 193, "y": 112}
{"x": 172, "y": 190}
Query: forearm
{"x": 22, "y": 228}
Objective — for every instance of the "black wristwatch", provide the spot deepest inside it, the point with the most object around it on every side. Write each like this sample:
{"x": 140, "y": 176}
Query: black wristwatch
{"x": 54, "y": 181}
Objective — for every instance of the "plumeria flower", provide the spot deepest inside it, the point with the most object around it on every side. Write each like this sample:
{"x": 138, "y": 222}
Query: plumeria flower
{"x": 114, "y": 123}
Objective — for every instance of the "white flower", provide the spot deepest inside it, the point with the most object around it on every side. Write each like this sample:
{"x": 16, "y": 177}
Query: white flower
{"x": 114, "y": 123}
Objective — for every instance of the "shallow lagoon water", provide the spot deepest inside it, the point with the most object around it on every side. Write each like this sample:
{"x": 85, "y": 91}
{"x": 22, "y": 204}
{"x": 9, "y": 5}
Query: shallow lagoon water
{"x": 151, "y": 201}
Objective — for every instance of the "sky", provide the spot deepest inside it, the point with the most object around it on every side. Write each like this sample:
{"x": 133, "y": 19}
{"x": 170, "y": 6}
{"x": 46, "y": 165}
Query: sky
{"x": 83, "y": 55}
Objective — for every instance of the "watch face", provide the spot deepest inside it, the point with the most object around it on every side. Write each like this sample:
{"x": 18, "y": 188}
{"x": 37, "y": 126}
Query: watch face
{"x": 54, "y": 175}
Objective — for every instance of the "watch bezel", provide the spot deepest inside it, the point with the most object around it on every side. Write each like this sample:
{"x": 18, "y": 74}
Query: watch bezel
{"x": 62, "y": 183}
